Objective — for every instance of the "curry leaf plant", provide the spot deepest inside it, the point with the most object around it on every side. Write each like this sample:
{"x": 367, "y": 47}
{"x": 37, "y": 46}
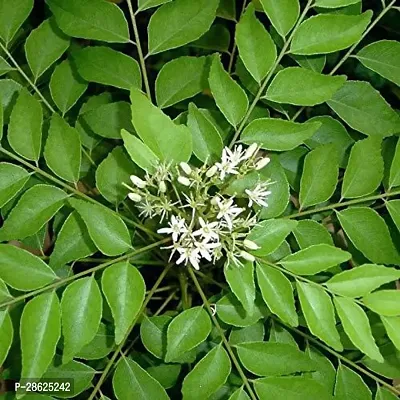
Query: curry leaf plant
{"x": 200, "y": 199}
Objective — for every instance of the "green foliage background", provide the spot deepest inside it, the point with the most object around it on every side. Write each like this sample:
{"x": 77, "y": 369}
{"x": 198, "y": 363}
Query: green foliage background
{"x": 85, "y": 291}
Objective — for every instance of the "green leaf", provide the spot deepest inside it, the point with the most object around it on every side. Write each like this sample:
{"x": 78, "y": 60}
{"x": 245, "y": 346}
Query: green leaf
{"x": 385, "y": 394}
{"x": 349, "y": 385}
{"x": 130, "y": 377}
{"x": 325, "y": 373}
{"x": 283, "y": 15}
{"x": 25, "y": 128}
{"x": 73, "y": 242}
{"x": 109, "y": 67}
{"x": 278, "y": 134}
{"x": 101, "y": 345}
{"x": 384, "y": 302}
{"x": 44, "y": 46}
{"x": 368, "y": 232}
{"x": 230, "y": 311}
{"x": 81, "y": 374}
{"x": 66, "y": 87}
{"x": 91, "y": 19}
{"x": 4, "y": 293}
{"x": 12, "y": 16}
{"x": 393, "y": 207}
{"x": 314, "y": 63}
{"x": 277, "y": 292}
{"x": 320, "y": 175}
{"x": 331, "y": 131}
{"x": 241, "y": 282}
{"x": 309, "y": 232}
{"x": 382, "y": 57}
{"x": 1, "y": 118}
{"x": 359, "y": 281}
{"x": 80, "y": 319}
{"x": 231, "y": 99}
{"x": 218, "y": 38}
{"x": 227, "y": 10}
{"x": 303, "y": 87}
{"x": 110, "y": 174}
{"x": 270, "y": 234}
{"x": 365, "y": 110}
{"x": 124, "y": 289}
{"x": 394, "y": 178}
{"x": 180, "y": 79}
{"x": 209, "y": 374}
{"x": 256, "y": 47}
{"x": 290, "y": 388}
{"x": 35, "y": 207}
{"x": 9, "y": 91}
{"x": 6, "y": 334}
{"x": 334, "y": 3}
{"x": 279, "y": 198}
{"x": 145, "y": 4}
{"x": 107, "y": 230}
{"x": 252, "y": 333}
{"x": 356, "y": 325}
{"x": 179, "y": 22}
{"x": 139, "y": 152}
{"x": 364, "y": 171}
{"x": 207, "y": 142}
{"x": 186, "y": 331}
{"x": 319, "y": 313}
{"x": 4, "y": 68}
{"x": 109, "y": 119}
{"x": 273, "y": 359}
{"x": 392, "y": 326}
{"x": 239, "y": 394}
{"x": 314, "y": 259}
{"x": 12, "y": 180}
{"x": 22, "y": 270}
{"x": 40, "y": 331}
{"x": 166, "y": 374}
{"x": 175, "y": 142}
{"x": 63, "y": 149}
{"x": 327, "y": 33}
{"x": 153, "y": 332}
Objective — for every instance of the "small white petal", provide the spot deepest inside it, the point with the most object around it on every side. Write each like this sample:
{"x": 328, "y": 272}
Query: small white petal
{"x": 135, "y": 197}
{"x": 250, "y": 244}
{"x": 262, "y": 163}
{"x": 138, "y": 182}
{"x": 212, "y": 171}
{"x": 186, "y": 168}
{"x": 184, "y": 181}
{"x": 162, "y": 187}
{"x": 250, "y": 151}
{"x": 247, "y": 256}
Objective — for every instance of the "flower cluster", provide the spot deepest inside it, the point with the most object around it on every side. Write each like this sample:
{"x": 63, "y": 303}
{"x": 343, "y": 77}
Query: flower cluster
{"x": 205, "y": 220}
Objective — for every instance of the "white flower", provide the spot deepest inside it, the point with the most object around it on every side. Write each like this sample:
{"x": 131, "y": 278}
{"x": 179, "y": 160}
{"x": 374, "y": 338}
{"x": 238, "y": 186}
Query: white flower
{"x": 227, "y": 210}
{"x": 184, "y": 181}
{"x": 262, "y": 163}
{"x": 207, "y": 230}
{"x": 205, "y": 249}
{"x": 189, "y": 254}
{"x": 186, "y": 168}
{"x": 212, "y": 171}
{"x": 146, "y": 208}
{"x": 177, "y": 227}
{"x": 135, "y": 197}
{"x": 162, "y": 187}
{"x": 250, "y": 151}
{"x": 247, "y": 256}
{"x": 229, "y": 161}
{"x": 250, "y": 244}
{"x": 138, "y": 182}
{"x": 258, "y": 195}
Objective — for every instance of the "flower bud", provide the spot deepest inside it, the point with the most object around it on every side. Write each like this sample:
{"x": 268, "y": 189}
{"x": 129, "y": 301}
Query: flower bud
{"x": 212, "y": 171}
{"x": 138, "y": 182}
{"x": 163, "y": 187}
{"x": 135, "y": 197}
{"x": 214, "y": 201}
{"x": 262, "y": 163}
{"x": 250, "y": 244}
{"x": 250, "y": 151}
{"x": 186, "y": 168}
{"x": 247, "y": 256}
{"x": 184, "y": 181}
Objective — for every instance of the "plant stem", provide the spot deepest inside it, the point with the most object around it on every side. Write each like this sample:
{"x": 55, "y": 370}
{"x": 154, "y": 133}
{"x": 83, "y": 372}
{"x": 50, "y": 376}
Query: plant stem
{"x": 21, "y": 71}
{"x": 351, "y": 49}
{"x": 139, "y": 49}
{"x": 270, "y": 73}
{"x": 337, "y": 355}
{"x": 74, "y": 190}
{"x": 64, "y": 281}
{"x": 184, "y": 289}
{"x": 344, "y": 204}
{"x": 221, "y": 332}
{"x": 120, "y": 346}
